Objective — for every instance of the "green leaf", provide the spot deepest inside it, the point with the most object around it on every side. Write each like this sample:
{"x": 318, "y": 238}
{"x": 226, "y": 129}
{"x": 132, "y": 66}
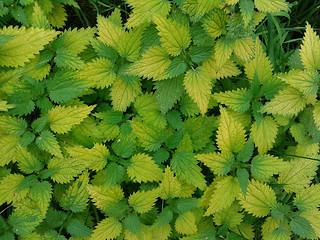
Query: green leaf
{"x": 247, "y": 10}
{"x": 265, "y": 166}
{"x": 124, "y": 146}
{"x": 223, "y": 50}
{"x": 100, "y": 73}
{"x": 310, "y": 48}
{"x": 279, "y": 211}
{"x": 200, "y": 53}
{"x": 48, "y": 142}
{"x": 303, "y": 80}
{"x": 65, "y": 58}
{"x": 215, "y": 22}
{"x": 42, "y": 193}
{"x": 76, "y": 197}
{"x": 153, "y": 64}
{"x": 78, "y": 229}
{"x": 65, "y": 169}
{"x": 271, "y": 6}
{"x": 38, "y": 18}
{"x": 133, "y": 224}
{"x": 24, "y": 222}
{"x": 148, "y": 136}
{"x": 13, "y": 126}
{"x": 62, "y": 119}
{"x": 231, "y": 135}
{"x": 11, "y": 190}
{"x": 24, "y": 45}
{"x": 186, "y": 223}
{"x": 238, "y": 100}
{"x": 264, "y": 134}
{"x": 243, "y": 179}
{"x": 184, "y": 165}
{"x": 123, "y": 93}
{"x": 198, "y": 85}
{"x": 259, "y": 199}
{"x": 8, "y": 149}
{"x": 164, "y": 217}
{"x": 226, "y": 190}
{"x": 247, "y": 151}
{"x": 27, "y": 162}
{"x": 108, "y": 228}
{"x": 176, "y": 68}
{"x": 168, "y": 92}
{"x": 309, "y": 198}
{"x": 55, "y": 218}
{"x": 187, "y": 204}
{"x": 288, "y": 102}
{"x": 302, "y": 227}
{"x": 174, "y": 36}
{"x": 219, "y": 163}
{"x": 143, "y": 201}
{"x": 143, "y": 169}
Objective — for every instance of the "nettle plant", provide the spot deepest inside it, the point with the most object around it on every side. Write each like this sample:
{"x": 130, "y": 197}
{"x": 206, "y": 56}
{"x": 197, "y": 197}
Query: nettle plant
{"x": 26, "y": 12}
{"x": 171, "y": 125}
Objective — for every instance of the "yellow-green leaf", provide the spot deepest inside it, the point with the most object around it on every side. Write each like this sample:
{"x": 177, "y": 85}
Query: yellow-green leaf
{"x": 108, "y": 229}
{"x": 174, "y": 36}
{"x": 186, "y": 223}
{"x": 170, "y": 185}
{"x": 310, "y": 49}
{"x": 259, "y": 199}
{"x": 143, "y": 169}
{"x": 264, "y": 134}
{"x": 271, "y": 5}
{"x": 198, "y": 85}
{"x": 62, "y": 119}
{"x": 231, "y": 135}
{"x": 143, "y": 201}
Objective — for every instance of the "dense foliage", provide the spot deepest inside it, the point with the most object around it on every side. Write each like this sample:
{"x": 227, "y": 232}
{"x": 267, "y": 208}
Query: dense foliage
{"x": 169, "y": 123}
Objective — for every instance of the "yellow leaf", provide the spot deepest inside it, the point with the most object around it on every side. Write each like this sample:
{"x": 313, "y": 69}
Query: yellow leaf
{"x": 186, "y": 223}
{"x": 170, "y": 185}
{"x": 310, "y": 49}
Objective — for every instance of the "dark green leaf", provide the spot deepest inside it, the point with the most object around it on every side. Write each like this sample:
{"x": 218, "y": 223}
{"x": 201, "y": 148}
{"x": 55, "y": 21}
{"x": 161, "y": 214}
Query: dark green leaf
{"x": 201, "y": 53}
{"x": 78, "y": 229}
{"x": 187, "y": 204}
{"x": 302, "y": 227}
{"x": 243, "y": 179}
{"x": 164, "y": 217}
{"x": 279, "y": 211}
{"x": 132, "y": 223}
{"x": 177, "y": 67}
{"x": 174, "y": 119}
{"x": 114, "y": 173}
{"x": 247, "y": 151}
{"x": 124, "y": 146}
{"x": 27, "y": 138}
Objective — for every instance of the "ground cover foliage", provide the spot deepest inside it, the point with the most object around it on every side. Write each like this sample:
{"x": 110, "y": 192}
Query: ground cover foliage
{"x": 183, "y": 119}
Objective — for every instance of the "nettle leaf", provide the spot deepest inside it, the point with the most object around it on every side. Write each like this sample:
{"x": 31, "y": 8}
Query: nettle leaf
{"x": 302, "y": 227}
{"x": 176, "y": 68}
{"x": 13, "y": 126}
{"x": 168, "y": 92}
{"x": 143, "y": 201}
{"x": 143, "y": 169}
{"x": 219, "y": 163}
{"x": 226, "y": 190}
{"x": 152, "y": 65}
{"x": 65, "y": 169}
{"x": 148, "y": 136}
{"x": 64, "y": 86}
{"x": 316, "y": 115}
{"x": 229, "y": 216}
{"x": 8, "y": 149}
{"x": 288, "y": 102}
{"x": 48, "y": 142}
{"x": 228, "y": 69}
{"x": 11, "y": 188}
{"x": 244, "y": 48}
{"x": 259, "y": 199}
{"x": 76, "y": 197}
{"x": 184, "y": 165}
{"x": 243, "y": 179}
{"x": 247, "y": 10}
{"x": 238, "y": 100}
{"x": 124, "y": 146}
{"x": 65, "y": 58}
{"x": 129, "y": 44}
{"x": 108, "y": 228}
{"x": 170, "y": 185}
{"x": 123, "y": 93}
{"x": 264, "y": 166}
{"x": 313, "y": 218}
{"x": 223, "y": 50}
{"x": 78, "y": 229}
{"x": 264, "y": 134}
{"x": 42, "y": 193}
{"x": 24, "y": 222}
{"x": 27, "y": 162}
{"x": 310, "y": 49}
{"x": 198, "y": 85}
{"x": 133, "y": 224}
{"x": 174, "y": 36}
{"x": 298, "y": 174}
{"x": 110, "y": 29}
{"x": 143, "y": 11}
{"x": 231, "y": 135}
{"x": 62, "y": 119}
{"x": 103, "y": 195}
{"x": 260, "y": 64}
{"x": 309, "y": 198}
{"x": 303, "y": 80}
{"x": 99, "y": 73}
{"x": 186, "y": 223}
{"x": 215, "y": 22}
{"x": 24, "y": 44}
{"x": 271, "y": 5}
